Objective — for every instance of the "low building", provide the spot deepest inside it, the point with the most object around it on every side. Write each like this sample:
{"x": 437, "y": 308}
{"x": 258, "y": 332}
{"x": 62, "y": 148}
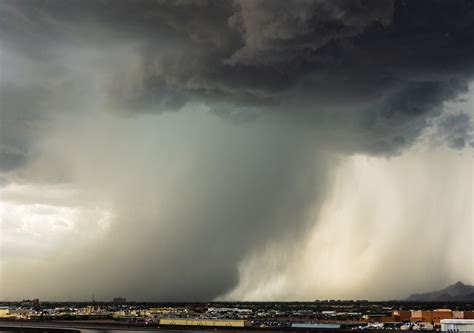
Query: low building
{"x": 203, "y": 322}
{"x": 22, "y": 313}
{"x": 422, "y": 316}
{"x": 401, "y": 315}
{"x": 463, "y": 314}
{"x": 457, "y": 325}
{"x": 378, "y": 318}
{"x": 440, "y": 314}
{"x": 468, "y": 315}
{"x": 120, "y": 300}
{"x": 316, "y": 325}
{"x": 5, "y": 312}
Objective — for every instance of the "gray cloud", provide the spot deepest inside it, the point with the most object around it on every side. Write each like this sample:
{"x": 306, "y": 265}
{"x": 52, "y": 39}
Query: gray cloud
{"x": 195, "y": 197}
{"x": 393, "y": 67}
{"x": 290, "y": 58}
{"x": 455, "y": 129}
{"x": 282, "y": 31}
{"x": 20, "y": 113}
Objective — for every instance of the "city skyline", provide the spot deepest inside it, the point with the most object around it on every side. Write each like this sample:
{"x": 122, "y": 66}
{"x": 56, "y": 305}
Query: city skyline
{"x": 235, "y": 150}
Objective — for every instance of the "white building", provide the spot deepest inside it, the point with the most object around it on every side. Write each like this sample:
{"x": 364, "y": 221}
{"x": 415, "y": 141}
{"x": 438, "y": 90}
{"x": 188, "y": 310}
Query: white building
{"x": 457, "y": 325}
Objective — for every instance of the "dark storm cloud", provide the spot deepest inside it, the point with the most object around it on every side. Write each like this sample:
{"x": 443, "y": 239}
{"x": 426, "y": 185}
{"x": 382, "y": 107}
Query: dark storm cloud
{"x": 315, "y": 76}
{"x": 455, "y": 129}
{"x": 294, "y": 58}
{"x": 393, "y": 63}
{"x": 280, "y": 31}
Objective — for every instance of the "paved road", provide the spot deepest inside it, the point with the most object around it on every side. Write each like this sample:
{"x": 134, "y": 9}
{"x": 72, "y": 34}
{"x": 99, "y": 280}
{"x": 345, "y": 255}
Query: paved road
{"x": 81, "y": 327}
{"x": 84, "y": 327}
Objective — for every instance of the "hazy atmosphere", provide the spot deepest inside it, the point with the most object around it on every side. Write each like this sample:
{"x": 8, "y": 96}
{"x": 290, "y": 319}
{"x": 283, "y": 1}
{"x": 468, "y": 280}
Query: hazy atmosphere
{"x": 235, "y": 150}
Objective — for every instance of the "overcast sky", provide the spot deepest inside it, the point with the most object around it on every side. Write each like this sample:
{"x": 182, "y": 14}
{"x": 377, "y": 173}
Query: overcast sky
{"x": 235, "y": 150}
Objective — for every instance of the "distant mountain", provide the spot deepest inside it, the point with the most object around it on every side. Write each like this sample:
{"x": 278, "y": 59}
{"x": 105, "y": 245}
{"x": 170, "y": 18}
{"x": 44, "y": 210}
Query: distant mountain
{"x": 455, "y": 292}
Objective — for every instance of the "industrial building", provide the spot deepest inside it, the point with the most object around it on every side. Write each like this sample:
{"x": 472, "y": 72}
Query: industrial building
{"x": 120, "y": 300}
{"x": 316, "y": 325}
{"x": 401, "y": 315}
{"x": 428, "y": 316}
{"x": 423, "y": 316}
{"x": 4, "y": 312}
{"x": 204, "y": 322}
{"x": 441, "y": 314}
{"x": 457, "y": 325}
{"x": 463, "y": 315}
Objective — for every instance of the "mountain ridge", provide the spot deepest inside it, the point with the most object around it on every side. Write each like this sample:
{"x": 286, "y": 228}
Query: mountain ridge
{"x": 455, "y": 292}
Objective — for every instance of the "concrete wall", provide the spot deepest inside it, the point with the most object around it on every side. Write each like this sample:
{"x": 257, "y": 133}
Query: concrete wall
{"x": 457, "y": 325}
{"x": 203, "y": 322}
{"x": 438, "y": 315}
